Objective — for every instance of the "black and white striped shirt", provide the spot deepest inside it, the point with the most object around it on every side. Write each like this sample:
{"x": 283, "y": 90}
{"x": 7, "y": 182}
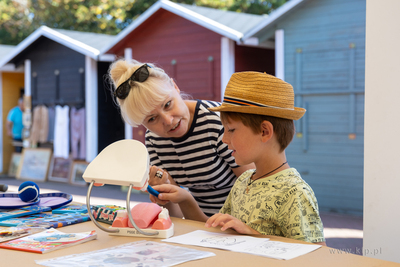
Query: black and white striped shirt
{"x": 198, "y": 160}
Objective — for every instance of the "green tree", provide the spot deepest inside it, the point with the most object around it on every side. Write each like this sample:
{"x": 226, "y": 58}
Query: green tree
{"x": 19, "y": 18}
{"x": 258, "y": 7}
{"x": 14, "y": 22}
{"x": 101, "y": 16}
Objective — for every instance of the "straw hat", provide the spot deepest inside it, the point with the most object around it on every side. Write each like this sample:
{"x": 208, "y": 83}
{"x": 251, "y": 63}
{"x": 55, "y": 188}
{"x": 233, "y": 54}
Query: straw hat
{"x": 260, "y": 93}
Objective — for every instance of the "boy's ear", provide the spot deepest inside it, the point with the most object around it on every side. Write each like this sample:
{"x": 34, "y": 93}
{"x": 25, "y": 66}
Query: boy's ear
{"x": 267, "y": 130}
{"x": 176, "y": 86}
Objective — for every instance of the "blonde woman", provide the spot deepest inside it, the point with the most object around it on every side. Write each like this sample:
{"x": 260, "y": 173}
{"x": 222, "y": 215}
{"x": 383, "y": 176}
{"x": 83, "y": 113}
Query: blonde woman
{"x": 184, "y": 138}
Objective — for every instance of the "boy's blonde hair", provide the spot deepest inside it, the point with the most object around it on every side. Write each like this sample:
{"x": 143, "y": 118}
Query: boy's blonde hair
{"x": 283, "y": 128}
{"x": 143, "y": 97}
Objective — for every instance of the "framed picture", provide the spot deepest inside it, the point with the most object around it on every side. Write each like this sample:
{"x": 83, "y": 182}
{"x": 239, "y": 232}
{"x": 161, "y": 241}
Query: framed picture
{"x": 78, "y": 168}
{"x": 60, "y": 169}
{"x": 34, "y": 164}
{"x": 14, "y": 163}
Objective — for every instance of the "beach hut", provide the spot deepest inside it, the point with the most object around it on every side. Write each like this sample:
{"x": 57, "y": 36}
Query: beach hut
{"x": 62, "y": 67}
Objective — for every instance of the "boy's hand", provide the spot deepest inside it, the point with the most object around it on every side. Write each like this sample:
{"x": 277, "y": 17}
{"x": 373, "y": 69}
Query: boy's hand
{"x": 169, "y": 193}
{"x": 227, "y": 221}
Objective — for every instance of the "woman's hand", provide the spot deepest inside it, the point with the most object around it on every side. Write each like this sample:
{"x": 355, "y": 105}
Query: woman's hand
{"x": 227, "y": 221}
{"x": 158, "y": 176}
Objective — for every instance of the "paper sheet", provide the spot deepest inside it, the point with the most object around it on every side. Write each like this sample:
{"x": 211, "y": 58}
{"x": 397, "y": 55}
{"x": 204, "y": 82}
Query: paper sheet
{"x": 245, "y": 244}
{"x": 141, "y": 253}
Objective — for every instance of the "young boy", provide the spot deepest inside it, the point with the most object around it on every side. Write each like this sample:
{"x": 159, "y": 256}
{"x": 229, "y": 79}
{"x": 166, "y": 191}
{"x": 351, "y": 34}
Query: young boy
{"x": 257, "y": 114}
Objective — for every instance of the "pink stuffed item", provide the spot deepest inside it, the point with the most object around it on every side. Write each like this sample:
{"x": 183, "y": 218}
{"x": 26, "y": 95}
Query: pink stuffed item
{"x": 144, "y": 214}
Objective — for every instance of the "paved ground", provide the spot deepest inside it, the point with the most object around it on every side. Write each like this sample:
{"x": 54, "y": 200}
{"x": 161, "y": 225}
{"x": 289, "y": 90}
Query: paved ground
{"x": 342, "y": 232}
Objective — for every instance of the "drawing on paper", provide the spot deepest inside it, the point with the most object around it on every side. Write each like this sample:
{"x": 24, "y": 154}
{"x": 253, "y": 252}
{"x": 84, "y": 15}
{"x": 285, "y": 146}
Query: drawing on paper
{"x": 222, "y": 241}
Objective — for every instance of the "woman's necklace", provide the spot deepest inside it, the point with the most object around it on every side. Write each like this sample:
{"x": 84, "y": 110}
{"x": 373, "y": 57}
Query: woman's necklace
{"x": 252, "y": 181}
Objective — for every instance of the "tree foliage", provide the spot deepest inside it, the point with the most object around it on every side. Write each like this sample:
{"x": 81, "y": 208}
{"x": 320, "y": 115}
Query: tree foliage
{"x": 19, "y": 18}
{"x": 258, "y": 7}
{"x": 13, "y": 22}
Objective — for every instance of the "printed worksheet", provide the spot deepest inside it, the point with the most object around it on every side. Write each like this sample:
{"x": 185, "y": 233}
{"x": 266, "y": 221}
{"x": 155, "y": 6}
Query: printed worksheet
{"x": 141, "y": 253}
{"x": 245, "y": 244}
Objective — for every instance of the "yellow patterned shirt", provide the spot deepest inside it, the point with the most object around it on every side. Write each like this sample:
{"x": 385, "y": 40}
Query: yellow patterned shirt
{"x": 282, "y": 204}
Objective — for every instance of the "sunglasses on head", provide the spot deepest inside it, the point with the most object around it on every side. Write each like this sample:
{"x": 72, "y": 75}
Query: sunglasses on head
{"x": 140, "y": 75}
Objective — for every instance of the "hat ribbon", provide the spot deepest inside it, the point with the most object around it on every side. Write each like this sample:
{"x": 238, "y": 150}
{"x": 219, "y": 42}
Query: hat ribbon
{"x": 241, "y": 102}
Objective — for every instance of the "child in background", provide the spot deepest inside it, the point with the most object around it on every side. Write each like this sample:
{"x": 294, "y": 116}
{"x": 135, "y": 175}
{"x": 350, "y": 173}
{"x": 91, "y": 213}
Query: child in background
{"x": 257, "y": 114}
